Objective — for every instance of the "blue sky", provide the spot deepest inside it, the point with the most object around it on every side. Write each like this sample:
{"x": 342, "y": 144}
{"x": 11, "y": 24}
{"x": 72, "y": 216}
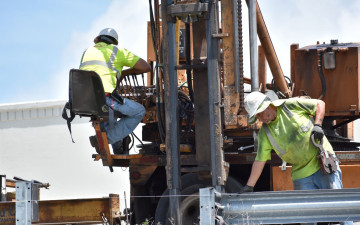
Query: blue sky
{"x": 34, "y": 33}
{"x": 41, "y": 40}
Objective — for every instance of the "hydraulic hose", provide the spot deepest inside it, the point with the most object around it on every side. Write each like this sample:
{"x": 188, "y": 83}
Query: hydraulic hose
{"x": 321, "y": 75}
{"x": 157, "y": 83}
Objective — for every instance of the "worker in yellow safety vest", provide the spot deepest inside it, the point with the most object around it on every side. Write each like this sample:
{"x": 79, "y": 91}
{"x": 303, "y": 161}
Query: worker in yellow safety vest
{"x": 107, "y": 60}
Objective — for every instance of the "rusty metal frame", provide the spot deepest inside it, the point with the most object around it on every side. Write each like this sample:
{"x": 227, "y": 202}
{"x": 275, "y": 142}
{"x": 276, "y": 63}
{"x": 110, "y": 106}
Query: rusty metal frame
{"x": 230, "y": 96}
{"x": 103, "y": 144}
{"x": 346, "y": 157}
{"x": 73, "y": 211}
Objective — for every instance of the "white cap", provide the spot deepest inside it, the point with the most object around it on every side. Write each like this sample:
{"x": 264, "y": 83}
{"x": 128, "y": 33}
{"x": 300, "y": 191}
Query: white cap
{"x": 108, "y": 32}
{"x": 256, "y": 102}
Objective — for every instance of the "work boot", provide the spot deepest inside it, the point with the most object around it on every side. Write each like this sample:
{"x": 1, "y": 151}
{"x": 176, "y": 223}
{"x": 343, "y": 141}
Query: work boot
{"x": 94, "y": 143}
{"x": 118, "y": 148}
{"x": 126, "y": 143}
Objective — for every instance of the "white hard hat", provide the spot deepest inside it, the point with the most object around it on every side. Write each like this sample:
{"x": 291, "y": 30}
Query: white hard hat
{"x": 108, "y": 32}
{"x": 256, "y": 102}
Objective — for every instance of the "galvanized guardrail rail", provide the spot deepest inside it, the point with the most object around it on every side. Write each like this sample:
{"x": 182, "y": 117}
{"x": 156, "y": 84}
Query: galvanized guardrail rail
{"x": 280, "y": 207}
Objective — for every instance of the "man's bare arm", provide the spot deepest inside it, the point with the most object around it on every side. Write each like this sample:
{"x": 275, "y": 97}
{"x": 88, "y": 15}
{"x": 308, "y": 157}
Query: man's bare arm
{"x": 141, "y": 66}
{"x": 320, "y": 112}
{"x": 256, "y": 171}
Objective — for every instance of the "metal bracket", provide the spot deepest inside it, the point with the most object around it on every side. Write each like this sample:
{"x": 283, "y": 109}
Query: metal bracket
{"x": 2, "y": 188}
{"x": 220, "y": 35}
{"x": 283, "y": 166}
{"x": 207, "y": 206}
{"x": 185, "y": 10}
{"x": 105, "y": 220}
{"x": 329, "y": 59}
{"x": 27, "y": 205}
{"x": 241, "y": 148}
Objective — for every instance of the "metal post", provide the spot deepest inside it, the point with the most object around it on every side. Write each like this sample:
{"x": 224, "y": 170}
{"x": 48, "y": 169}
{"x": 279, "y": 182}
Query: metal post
{"x": 27, "y": 205}
{"x": 289, "y": 206}
{"x": 2, "y": 188}
{"x": 217, "y": 168}
{"x": 171, "y": 105}
{"x": 207, "y": 212}
{"x": 23, "y": 203}
{"x": 253, "y": 46}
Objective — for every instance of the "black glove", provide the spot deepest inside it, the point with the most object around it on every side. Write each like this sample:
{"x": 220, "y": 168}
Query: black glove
{"x": 246, "y": 188}
{"x": 318, "y": 132}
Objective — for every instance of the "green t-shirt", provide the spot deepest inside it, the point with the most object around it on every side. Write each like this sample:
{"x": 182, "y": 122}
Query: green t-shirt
{"x": 102, "y": 52}
{"x": 291, "y": 132}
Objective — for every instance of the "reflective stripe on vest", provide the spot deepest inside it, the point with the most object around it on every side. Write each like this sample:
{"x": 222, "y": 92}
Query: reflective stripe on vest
{"x": 108, "y": 65}
{"x": 272, "y": 141}
{"x": 307, "y": 127}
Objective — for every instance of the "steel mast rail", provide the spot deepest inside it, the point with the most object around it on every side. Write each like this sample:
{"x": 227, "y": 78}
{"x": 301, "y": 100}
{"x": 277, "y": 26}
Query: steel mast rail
{"x": 280, "y": 206}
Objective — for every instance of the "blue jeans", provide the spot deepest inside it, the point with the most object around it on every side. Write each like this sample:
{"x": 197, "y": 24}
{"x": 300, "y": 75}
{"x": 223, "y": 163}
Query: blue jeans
{"x": 319, "y": 180}
{"x": 133, "y": 113}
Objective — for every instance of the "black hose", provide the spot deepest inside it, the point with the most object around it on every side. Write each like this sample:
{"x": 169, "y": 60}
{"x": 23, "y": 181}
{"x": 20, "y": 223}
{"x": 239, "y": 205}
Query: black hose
{"x": 188, "y": 61}
{"x": 134, "y": 135}
{"x": 157, "y": 83}
{"x": 277, "y": 91}
{"x": 321, "y": 75}
{"x": 159, "y": 112}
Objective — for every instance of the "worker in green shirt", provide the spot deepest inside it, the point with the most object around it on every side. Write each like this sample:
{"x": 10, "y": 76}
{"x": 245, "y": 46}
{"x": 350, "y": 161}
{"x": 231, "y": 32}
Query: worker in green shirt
{"x": 287, "y": 129}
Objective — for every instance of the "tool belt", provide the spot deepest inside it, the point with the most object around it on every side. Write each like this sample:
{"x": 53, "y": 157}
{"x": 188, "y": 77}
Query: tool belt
{"x": 115, "y": 96}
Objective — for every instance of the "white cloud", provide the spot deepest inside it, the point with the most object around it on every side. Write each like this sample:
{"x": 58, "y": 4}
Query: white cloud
{"x": 306, "y": 22}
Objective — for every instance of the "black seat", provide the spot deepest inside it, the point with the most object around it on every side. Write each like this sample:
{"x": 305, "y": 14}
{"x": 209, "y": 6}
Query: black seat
{"x": 87, "y": 94}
